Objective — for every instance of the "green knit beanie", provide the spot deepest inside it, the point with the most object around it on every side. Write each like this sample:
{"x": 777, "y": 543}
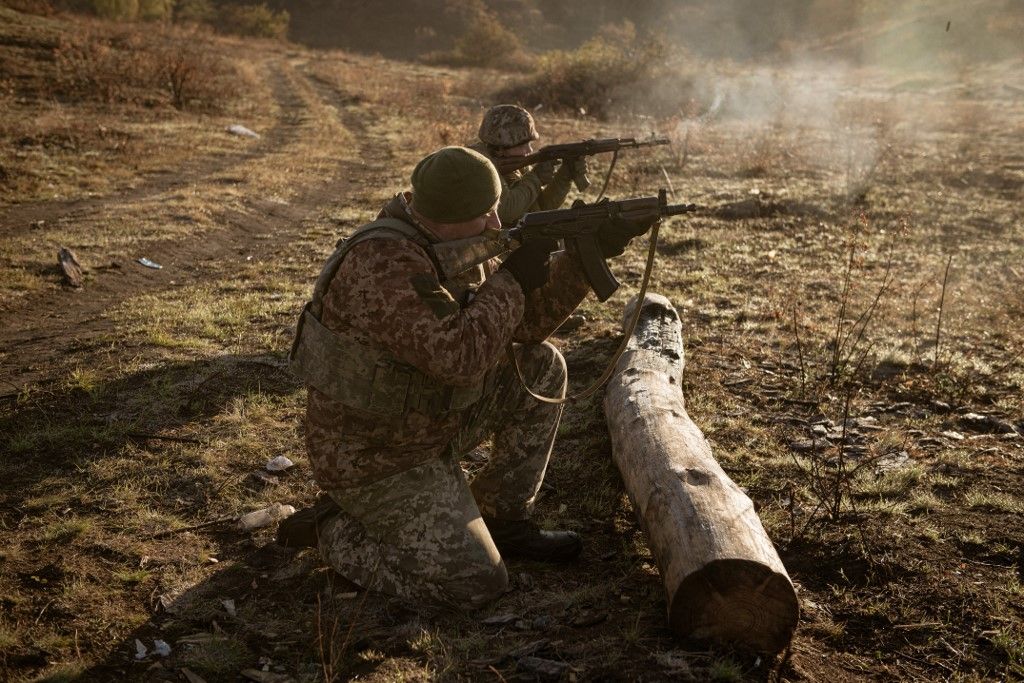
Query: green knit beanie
{"x": 454, "y": 184}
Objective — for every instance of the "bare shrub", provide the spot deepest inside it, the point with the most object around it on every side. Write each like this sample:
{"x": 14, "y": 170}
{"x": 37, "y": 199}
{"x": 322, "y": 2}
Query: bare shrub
{"x": 123, "y": 10}
{"x": 128, "y": 67}
{"x": 256, "y": 21}
{"x": 42, "y": 8}
{"x": 615, "y": 70}
{"x": 486, "y": 42}
{"x": 192, "y": 76}
{"x": 92, "y": 67}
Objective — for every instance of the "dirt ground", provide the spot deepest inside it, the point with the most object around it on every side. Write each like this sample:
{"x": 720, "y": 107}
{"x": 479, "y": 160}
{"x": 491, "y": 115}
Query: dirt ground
{"x": 854, "y": 265}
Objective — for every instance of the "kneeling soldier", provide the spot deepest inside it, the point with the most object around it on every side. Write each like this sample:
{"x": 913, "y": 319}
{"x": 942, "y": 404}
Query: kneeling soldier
{"x": 407, "y": 370}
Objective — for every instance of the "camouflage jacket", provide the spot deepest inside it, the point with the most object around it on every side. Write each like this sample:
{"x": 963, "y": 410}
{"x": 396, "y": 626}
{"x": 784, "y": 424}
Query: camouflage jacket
{"x": 522, "y": 192}
{"x": 386, "y": 294}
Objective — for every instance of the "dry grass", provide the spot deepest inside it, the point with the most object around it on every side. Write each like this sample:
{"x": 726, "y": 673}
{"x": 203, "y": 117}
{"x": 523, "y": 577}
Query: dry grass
{"x": 927, "y": 549}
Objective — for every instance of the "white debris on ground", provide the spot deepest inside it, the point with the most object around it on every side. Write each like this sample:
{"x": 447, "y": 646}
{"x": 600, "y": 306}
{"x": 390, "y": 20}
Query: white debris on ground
{"x": 238, "y": 129}
{"x": 265, "y": 517}
{"x": 279, "y": 464}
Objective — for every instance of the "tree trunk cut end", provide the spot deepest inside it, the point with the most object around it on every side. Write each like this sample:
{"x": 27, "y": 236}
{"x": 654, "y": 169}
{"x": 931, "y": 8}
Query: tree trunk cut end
{"x": 738, "y": 601}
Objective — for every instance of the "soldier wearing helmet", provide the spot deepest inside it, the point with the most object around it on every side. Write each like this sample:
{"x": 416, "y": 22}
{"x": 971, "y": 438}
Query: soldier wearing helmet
{"x": 406, "y": 367}
{"x": 508, "y": 130}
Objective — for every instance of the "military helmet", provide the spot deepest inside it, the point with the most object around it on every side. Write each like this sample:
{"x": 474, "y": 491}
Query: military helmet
{"x": 507, "y": 125}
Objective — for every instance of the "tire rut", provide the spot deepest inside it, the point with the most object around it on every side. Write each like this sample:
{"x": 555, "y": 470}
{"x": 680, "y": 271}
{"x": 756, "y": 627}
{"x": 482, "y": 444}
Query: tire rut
{"x": 57, "y": 323}
{"x": 19, "y": 219}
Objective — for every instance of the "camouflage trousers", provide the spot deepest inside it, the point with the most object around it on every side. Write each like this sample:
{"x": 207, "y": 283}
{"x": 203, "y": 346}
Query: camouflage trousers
{"x": 419, "y": 534}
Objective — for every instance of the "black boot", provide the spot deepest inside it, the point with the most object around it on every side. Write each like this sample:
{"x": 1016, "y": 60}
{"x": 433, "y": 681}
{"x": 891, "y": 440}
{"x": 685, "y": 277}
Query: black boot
{"x": 302, "y": 530}
{"x": 525, "y": 540}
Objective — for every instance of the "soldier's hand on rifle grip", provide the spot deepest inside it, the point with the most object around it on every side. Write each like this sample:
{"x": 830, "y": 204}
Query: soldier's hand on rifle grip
{"x": 615, "y": 235}
{"x": 529, "y": 264}
{"x": 545, "y": 171}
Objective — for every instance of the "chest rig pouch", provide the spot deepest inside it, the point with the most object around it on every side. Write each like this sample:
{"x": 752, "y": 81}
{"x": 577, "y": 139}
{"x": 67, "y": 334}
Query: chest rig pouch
{"x": 359, "y": 375}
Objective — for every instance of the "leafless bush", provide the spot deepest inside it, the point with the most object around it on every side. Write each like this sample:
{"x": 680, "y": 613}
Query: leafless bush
{"x": 192, "y": 76}
{"x": 486, "y": 42}
{"x": 615, "y": 71}
{"x": 110, "y": 68}
{"x": 41, "y": 8}
{"x": 850, "y": 346}
{"x": 130, "y": 67}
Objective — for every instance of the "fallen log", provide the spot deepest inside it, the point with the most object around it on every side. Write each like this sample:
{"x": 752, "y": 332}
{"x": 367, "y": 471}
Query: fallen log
{"x": 723, "y": 577}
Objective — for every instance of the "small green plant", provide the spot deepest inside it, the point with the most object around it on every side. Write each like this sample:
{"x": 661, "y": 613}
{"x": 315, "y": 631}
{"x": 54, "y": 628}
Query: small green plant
{"x": 66, "y": 530}
{"x": 132, "y": 577}
{"x": 85, "y": 379}
{"x": 1010, "y": 646}
{"x": 63, "y": 673}
{"x": 993, "y": 501}
{"x": 725, "y": 671}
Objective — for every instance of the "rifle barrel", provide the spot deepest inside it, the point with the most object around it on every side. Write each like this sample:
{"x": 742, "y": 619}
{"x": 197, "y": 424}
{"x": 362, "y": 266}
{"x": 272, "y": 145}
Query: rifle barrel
{"x": 677, "y": 209}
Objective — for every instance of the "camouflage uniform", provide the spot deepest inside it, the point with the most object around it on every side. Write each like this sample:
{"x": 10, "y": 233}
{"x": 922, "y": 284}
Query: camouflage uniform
{"x": 522, "y": 192}
{"x": 410, "y": 525}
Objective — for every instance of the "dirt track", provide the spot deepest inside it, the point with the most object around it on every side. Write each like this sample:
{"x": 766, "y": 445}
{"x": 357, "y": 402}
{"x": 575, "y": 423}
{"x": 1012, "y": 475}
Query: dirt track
{"x": 62, "y": 321}
{"x": 917, "y": 575}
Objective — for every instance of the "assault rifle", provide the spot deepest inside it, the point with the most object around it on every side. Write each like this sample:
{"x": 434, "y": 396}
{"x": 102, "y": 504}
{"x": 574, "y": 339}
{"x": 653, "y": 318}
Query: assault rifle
{"x": 574, "y": 150}
{"x": 580, "y": 225}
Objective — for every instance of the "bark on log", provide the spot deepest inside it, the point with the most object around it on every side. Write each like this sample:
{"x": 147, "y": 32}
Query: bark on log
{"x": 723, "y": 577}
{"x": 69, "y": 265}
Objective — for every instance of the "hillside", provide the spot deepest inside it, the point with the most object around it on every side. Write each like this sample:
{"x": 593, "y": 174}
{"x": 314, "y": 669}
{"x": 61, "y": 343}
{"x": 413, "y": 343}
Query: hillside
{"x": 865, "y": 31}
{"x": 850, "y": 292}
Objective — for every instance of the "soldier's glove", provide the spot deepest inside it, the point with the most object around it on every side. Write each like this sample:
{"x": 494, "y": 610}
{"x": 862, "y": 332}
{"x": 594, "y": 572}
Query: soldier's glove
{"x": 576, "y": 170}
{"x": 616, "y": 234}
{"x": 529, "y": 264}
{"x": 545, "y": 171}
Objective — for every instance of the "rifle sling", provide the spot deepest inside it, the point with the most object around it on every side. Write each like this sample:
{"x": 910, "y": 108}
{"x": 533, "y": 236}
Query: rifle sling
{"x": 610, "y": 369}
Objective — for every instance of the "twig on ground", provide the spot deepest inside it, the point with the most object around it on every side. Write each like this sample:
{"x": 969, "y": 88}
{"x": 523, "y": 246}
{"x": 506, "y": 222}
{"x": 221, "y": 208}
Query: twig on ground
{"x": 194, "y": 527}
{"x": 800, "y": 353}
{"x": 847, "y": 279}
{"x": 942, "y": 304}
{"x": 157, "y": 437}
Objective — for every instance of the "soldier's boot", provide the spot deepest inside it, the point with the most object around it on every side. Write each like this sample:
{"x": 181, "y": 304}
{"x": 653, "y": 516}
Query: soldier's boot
{"x": 525, "y": 540}
{"x": 302, "y": 530}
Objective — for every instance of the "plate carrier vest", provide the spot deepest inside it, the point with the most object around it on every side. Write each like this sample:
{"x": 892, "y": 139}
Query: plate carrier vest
{"x": 361, "y": 376}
